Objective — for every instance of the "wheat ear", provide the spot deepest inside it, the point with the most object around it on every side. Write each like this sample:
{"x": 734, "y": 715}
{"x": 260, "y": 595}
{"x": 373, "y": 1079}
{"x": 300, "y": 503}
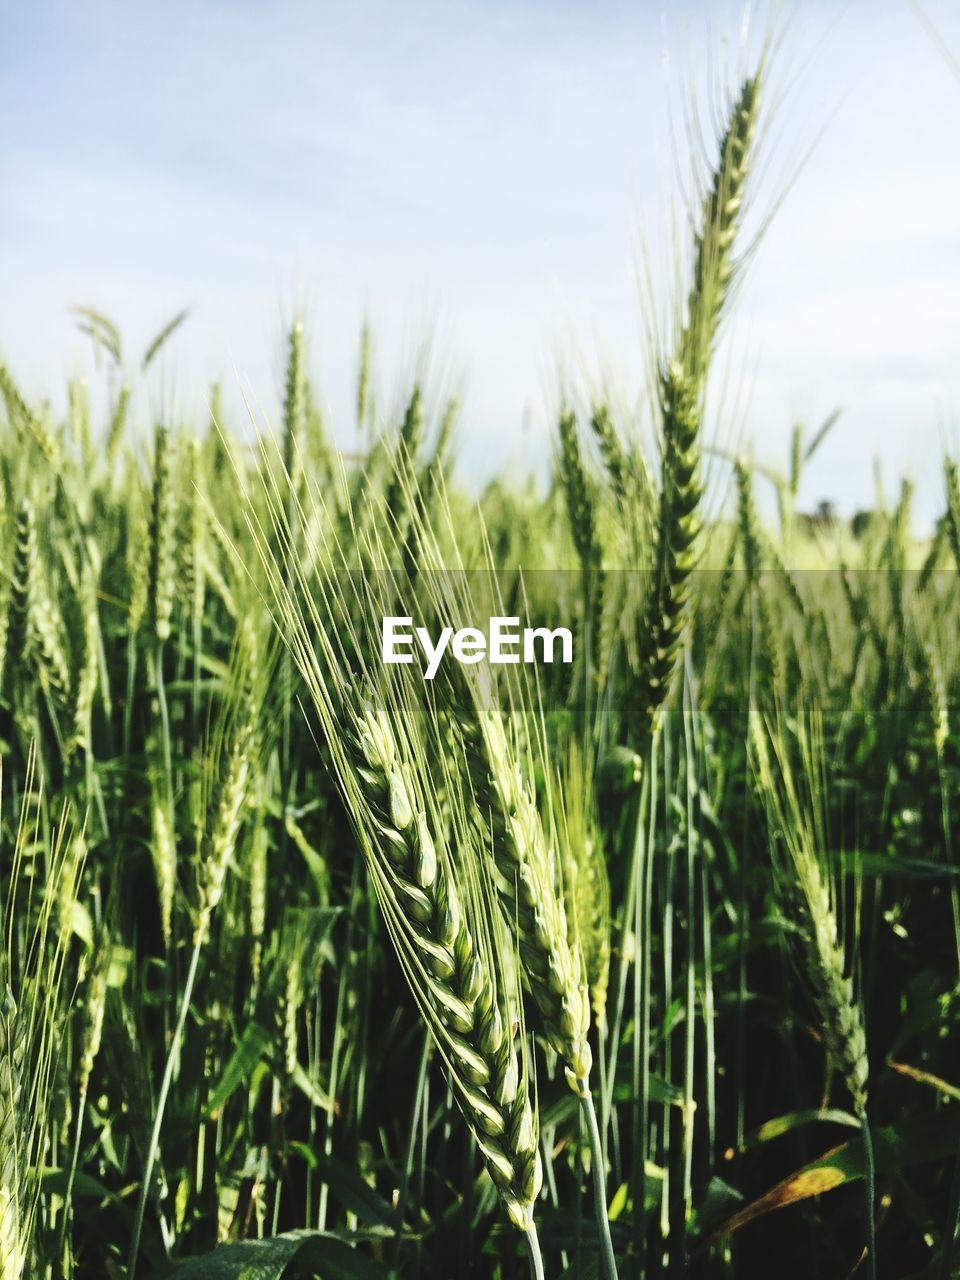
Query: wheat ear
{"x": 585, "y": 880}
{"x": 161, "y": 564}
{"x": 532, "y": 890}
{"x": 404, "y": 460}
{"x": 678, "y": 528}
{"x": 713, "y": 249}
{"x": 681, "y": 386}
{"x": 583, "y": 526}
{"x": 455, "y": 977}
{"x": 952, "y": 516}
{"x": 294, "y": 406}
{"x": 805, "y": 890}
{"x": 529, "y": 880}
{"x": 35, "y": 631}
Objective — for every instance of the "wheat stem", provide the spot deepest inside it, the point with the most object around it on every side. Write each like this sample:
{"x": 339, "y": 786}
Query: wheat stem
{"x": 599, "y": 1182}
{"x": 154, "y": 1143}
{"x": 536, "y": 1257}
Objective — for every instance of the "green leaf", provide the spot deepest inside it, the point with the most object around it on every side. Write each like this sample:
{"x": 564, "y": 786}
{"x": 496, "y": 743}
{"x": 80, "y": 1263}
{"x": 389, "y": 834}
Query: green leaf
{"x": 884, "y": 864}
{"x": 795, "y": 1120}
{"x": 315, "y": 1253}
{"x": 250, "y": 1049}
{"x": 84, "y": 1186}
{"x": 356, "y": 1195}
{"x": 311, "y": 1090}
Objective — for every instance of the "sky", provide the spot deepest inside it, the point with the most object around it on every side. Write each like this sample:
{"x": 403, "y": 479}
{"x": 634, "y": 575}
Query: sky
{"x": 486, "y": 181}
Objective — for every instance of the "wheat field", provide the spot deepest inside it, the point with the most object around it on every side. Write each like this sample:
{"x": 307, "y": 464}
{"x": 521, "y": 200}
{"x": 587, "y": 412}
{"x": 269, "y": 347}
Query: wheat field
{"x": 642, "y": 964}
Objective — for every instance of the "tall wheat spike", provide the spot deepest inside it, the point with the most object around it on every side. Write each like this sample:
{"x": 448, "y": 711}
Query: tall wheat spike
{"x": 713, "y": 251}
{"x": 675, "y": 552}
{"x": 663, "y": 618}
{"x": 681, "y": 386}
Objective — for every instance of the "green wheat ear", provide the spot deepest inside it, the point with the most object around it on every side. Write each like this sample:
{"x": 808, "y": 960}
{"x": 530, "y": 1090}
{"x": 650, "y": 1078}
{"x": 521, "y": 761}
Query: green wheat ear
{"x": 713, "y": 251}
{"x": 117, "y": 427}
{"x": 805, "y": 889}
{"x": 88, "y": 666}
{"x": 404, "y": 460}
{"x": 529, "y": 870}
{"x": 294, "y": 407}
{"x": 26, "y": 422}
{"x": 18, "y": 607}
{"x": 576, "y": 491}
{"x": 160, "y": 574}
{"x": 447, "y": 933}
{"x": 677, "y": 532}
{"x": 585, "y": 880}
{"x": 748, "y": 525}
{"x": 951, "y": 520}
{"x": 682, "y": 381}
{"x": 34, "y": 647}
{"x": 581, "y": 513}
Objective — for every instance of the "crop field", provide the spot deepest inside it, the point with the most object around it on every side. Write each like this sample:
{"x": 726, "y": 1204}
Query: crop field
{"x": 614, "y": 933}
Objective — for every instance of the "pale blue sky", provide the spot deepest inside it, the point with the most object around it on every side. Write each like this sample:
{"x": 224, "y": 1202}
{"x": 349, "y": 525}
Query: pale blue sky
{"x": 480, "y": 172}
